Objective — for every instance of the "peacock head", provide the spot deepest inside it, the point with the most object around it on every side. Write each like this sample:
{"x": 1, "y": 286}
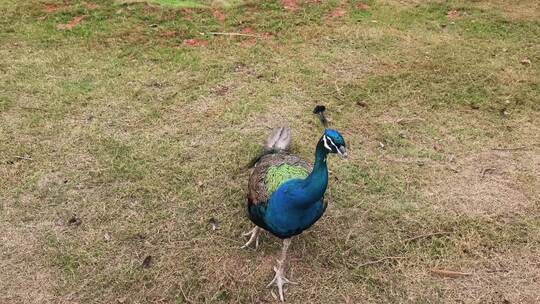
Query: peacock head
{"x": 332, "y": 140}
{"x": 334, "y": 143}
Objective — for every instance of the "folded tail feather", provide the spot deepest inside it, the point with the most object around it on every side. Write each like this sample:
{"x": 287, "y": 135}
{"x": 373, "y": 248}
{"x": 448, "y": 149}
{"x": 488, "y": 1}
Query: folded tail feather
{"x": 278, "y": 140}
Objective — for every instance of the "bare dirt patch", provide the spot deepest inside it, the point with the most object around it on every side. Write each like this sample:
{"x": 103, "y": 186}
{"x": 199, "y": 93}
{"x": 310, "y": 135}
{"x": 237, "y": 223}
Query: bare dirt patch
{"x": 508, "y": 277}
{"x": 488, "y": 183}
{"x": 30, "y": 278}
{"x": 514, "y": 10}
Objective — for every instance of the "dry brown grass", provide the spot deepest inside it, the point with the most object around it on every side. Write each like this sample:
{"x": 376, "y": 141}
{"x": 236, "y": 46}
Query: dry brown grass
{"x": 490, "y": 183}
{"x": 25, "y": 275}
{"x": 515, "y": 10}
{"x": 144, "y": 140}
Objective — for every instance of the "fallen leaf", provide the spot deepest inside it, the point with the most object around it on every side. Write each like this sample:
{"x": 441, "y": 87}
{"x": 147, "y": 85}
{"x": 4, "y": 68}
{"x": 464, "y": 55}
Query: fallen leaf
{"x": 218, "y": 15}
{"x": 74, "y": 220}
{"x": 362, "y": 6}
{"x": 213, "y": 224}
{"x": 50, "y": 8}
{"x": 453, "y": 15}
{"x": 337, "y": 13}
{"x": 486, "y": 171}
{"x": 71, "y": 24}
{"x": 290, "y": 5}
{"x": 361, "y": 103}
{"x": 147, "y": 262}
{"x": 247, "y": 30}
{"x": 526, "y": 61}
{"x": 188, "y": 13}
{"x": 195, "y": 42}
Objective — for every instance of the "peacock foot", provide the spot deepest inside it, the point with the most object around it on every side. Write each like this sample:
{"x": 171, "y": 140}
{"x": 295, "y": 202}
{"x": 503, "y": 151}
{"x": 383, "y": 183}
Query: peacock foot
{"x": 253, "y": 237}
{"x": 280, "y": 279}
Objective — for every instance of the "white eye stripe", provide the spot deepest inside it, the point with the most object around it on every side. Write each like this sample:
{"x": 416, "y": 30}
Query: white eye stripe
{"x": 332, "y": 142}
{"x": 326, "y": 138}
{"x": 326, "y": 143}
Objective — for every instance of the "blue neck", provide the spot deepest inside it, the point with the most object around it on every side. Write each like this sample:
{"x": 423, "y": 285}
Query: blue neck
{"x": 315, "y": 184}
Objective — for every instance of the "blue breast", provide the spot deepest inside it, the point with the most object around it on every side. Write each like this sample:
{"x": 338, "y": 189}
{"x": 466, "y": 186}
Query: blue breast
{"x": 291, "y": 210}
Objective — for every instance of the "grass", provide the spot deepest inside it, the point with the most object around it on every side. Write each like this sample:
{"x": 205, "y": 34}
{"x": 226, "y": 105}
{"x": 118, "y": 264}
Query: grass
{"x": 144, "y": 138}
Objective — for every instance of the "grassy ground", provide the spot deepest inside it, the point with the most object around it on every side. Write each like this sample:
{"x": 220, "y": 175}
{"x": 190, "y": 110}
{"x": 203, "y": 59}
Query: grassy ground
{"x": 122, "y": 134}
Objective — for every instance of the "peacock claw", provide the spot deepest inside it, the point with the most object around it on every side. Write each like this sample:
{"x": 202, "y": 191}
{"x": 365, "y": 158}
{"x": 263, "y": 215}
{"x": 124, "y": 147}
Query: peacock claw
{"x": 253, "y": 237}
{"x": 280, "y": 279}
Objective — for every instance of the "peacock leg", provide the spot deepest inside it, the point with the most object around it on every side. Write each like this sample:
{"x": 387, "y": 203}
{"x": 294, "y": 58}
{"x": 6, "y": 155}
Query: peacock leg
{"x": 280, "y": 279}
{"x": 253, "y": 237}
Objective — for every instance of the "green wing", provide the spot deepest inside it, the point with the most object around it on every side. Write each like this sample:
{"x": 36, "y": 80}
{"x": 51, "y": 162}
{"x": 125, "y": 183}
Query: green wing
{"x": 272, "y": 170}
{"x": 277, "y": 175}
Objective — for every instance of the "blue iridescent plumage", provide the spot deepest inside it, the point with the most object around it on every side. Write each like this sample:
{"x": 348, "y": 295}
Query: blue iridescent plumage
{"x": 298, "y": 202}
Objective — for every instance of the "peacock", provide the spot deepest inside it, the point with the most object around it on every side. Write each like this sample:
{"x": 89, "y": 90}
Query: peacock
{"x": 286, "y": 194}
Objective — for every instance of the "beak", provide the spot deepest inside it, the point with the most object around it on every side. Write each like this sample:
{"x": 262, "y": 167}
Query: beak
{"x": 342, "y": 152}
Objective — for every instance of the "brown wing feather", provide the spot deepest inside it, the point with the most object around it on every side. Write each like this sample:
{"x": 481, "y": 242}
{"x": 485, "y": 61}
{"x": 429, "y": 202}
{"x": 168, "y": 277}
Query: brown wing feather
{"x": 257, "y": 192}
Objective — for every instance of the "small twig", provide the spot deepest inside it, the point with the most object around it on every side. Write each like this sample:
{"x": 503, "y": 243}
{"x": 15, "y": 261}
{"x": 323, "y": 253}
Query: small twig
{"x": 184, "y": 295}
{"x": 497, "y": 270}
{"x": 234, "y": 34}
{"x": 24, "y": 157}
{"x": 487, "y": 170}
{"x": 338, "y": 90}
{"x": 404, "y": 121}
{"x": 452, "y": 169}
{"x": 348, "y": 237}
{"x": 336, "y": 96}
{"x": 425, "y": 236}
{"x": 449, "y": 273}
{"x": 379, "y": 260}
{"x": 510, "y": 149}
